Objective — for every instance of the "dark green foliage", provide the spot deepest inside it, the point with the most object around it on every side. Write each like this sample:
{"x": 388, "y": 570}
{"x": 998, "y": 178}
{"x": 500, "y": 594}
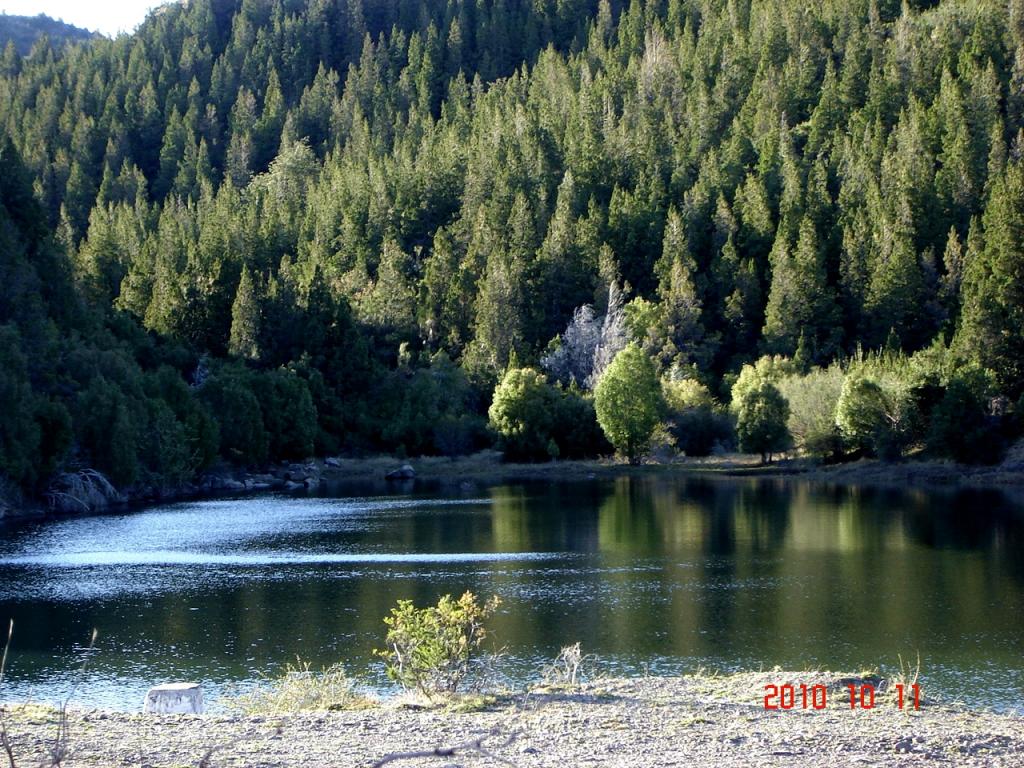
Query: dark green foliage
{"x": 331, "y": 193}
{"x": 577, "y": 433}
{"x": 108, "y": 430}
{"x": 431, "y": 411}
{"x": 20, "y": 433}
{"x": 694, "y": 419}
{"x": 993, "y": 303}
{"x": 963, "y": 429}
{"x": 288, "y": 414}
{"x": 243, "y": 436}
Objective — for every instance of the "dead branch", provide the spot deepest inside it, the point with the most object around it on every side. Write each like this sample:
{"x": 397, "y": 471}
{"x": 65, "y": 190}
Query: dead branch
{"x": 5, "y": 740}
{"x": 205, "y": 761}
{"x": 474, "y": 745}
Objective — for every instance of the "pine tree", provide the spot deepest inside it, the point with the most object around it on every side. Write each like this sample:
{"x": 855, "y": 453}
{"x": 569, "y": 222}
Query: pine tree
{"x": 800, "y": 300}
{"x": 993, "y": 287}
{"x": 245, "y": 319}
{"x": 679, "y": 337}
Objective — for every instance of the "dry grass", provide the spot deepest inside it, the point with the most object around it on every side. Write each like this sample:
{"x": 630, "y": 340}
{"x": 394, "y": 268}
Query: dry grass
{"x": 302, "y": 689}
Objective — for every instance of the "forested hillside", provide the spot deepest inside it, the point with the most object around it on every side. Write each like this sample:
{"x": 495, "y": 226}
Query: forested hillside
{"x": 23, "y": 31}
{"x": 292, "y": 227}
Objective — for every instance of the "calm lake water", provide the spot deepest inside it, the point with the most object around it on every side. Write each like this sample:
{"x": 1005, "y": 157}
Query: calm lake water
{"x": 652, "y": 574}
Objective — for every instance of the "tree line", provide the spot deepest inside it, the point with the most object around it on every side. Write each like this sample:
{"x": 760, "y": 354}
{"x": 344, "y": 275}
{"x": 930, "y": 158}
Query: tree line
{"x": 256, "y": 230}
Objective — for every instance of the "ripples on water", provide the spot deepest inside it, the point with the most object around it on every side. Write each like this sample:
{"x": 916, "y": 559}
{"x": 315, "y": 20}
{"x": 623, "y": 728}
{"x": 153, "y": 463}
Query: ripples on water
{"x": 654, "y": 574}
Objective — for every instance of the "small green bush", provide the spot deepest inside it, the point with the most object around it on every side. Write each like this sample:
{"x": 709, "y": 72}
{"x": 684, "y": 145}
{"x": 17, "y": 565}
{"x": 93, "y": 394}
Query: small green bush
{"x": 761, "y": 416}
{"x": 760, "y": 409}
{"x": 431, "y": 649}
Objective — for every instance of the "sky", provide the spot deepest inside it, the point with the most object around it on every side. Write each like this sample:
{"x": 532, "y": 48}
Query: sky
{"x": 106, "y": 16}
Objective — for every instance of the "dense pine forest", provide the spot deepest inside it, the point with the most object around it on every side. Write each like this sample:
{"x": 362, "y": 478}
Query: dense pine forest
{"x": 259, "y": 230}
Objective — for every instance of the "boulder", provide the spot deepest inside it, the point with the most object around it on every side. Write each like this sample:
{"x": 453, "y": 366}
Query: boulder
{"x": 331, "y": 461}
{"x": 404, "y": 472}
{"x": 174, "y": 699}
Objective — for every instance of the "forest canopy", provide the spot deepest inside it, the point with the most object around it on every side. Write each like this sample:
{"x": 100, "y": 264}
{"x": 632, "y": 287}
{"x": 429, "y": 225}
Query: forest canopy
{"x": 256, "y": 230}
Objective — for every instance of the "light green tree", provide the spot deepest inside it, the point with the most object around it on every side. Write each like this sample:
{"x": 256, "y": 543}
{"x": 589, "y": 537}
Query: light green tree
{"x": 761, "y": 416}
{"x": 760, "y": 410}
{"x": 628, "y": 402}
{"x": 523, "y": 413}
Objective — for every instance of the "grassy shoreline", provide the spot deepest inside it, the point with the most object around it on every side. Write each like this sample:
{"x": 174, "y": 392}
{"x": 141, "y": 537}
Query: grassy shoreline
{"x": 700, "y": 720}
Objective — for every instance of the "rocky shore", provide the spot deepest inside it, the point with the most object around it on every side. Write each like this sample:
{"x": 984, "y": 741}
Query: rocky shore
{"x": 697, "y": 720}
{"x": 388, "y": 473}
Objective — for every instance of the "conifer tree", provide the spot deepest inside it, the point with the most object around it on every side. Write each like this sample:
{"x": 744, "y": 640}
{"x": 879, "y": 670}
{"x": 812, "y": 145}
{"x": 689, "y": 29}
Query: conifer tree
{"x": 800, "y": 300}
{"x": 245, "y": 319}
{"x": 993, "y": 287}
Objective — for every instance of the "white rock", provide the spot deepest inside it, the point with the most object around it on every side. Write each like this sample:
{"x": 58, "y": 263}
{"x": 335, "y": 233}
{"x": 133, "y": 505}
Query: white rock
{"x": 174, "y": 699}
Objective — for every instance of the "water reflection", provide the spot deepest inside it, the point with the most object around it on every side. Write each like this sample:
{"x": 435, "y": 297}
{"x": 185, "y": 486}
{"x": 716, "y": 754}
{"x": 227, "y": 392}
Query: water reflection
{"x": 649, "y": 572}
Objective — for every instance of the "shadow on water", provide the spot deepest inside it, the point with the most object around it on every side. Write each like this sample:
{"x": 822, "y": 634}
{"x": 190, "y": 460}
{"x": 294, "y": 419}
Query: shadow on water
{"x": 650, "y": 573}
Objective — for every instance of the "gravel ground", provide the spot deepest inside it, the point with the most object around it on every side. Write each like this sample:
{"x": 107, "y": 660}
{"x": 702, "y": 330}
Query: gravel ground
{"x": 690, "y": 721}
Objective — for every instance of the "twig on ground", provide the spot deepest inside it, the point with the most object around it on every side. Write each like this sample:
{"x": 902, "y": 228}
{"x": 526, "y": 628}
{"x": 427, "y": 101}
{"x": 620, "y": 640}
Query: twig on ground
{"x": 474, "y": 745}
{"x": 204, "y": 762}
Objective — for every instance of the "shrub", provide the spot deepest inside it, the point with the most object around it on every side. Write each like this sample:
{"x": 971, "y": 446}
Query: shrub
{"x": 628, "y": 402}
{"x": 165, "y": 450}
{"x": 874, "y": 419}
{"x": 432, "y": 649}
{"x": 524, "y": 413}
{"x": 861, "y": 411}
{"x": 962, "y": 428}
{"x": 695, "y": 420}
{"x": 813, "y": 399}
{"x": 568, "y": 668}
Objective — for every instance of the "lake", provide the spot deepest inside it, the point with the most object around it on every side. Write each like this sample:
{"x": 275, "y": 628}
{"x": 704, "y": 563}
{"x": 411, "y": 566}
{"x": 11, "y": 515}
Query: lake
{"x": 654, "y": 573}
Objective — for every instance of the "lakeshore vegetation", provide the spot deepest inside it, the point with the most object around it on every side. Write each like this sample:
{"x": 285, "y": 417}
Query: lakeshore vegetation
{"x": 259, "y": 230}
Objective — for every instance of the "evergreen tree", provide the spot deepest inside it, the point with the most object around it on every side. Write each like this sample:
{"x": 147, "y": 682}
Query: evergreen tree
{"x": 245, "y": 319}
{"x": 800, "y": 301}
{"x": 993, "y": 302}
